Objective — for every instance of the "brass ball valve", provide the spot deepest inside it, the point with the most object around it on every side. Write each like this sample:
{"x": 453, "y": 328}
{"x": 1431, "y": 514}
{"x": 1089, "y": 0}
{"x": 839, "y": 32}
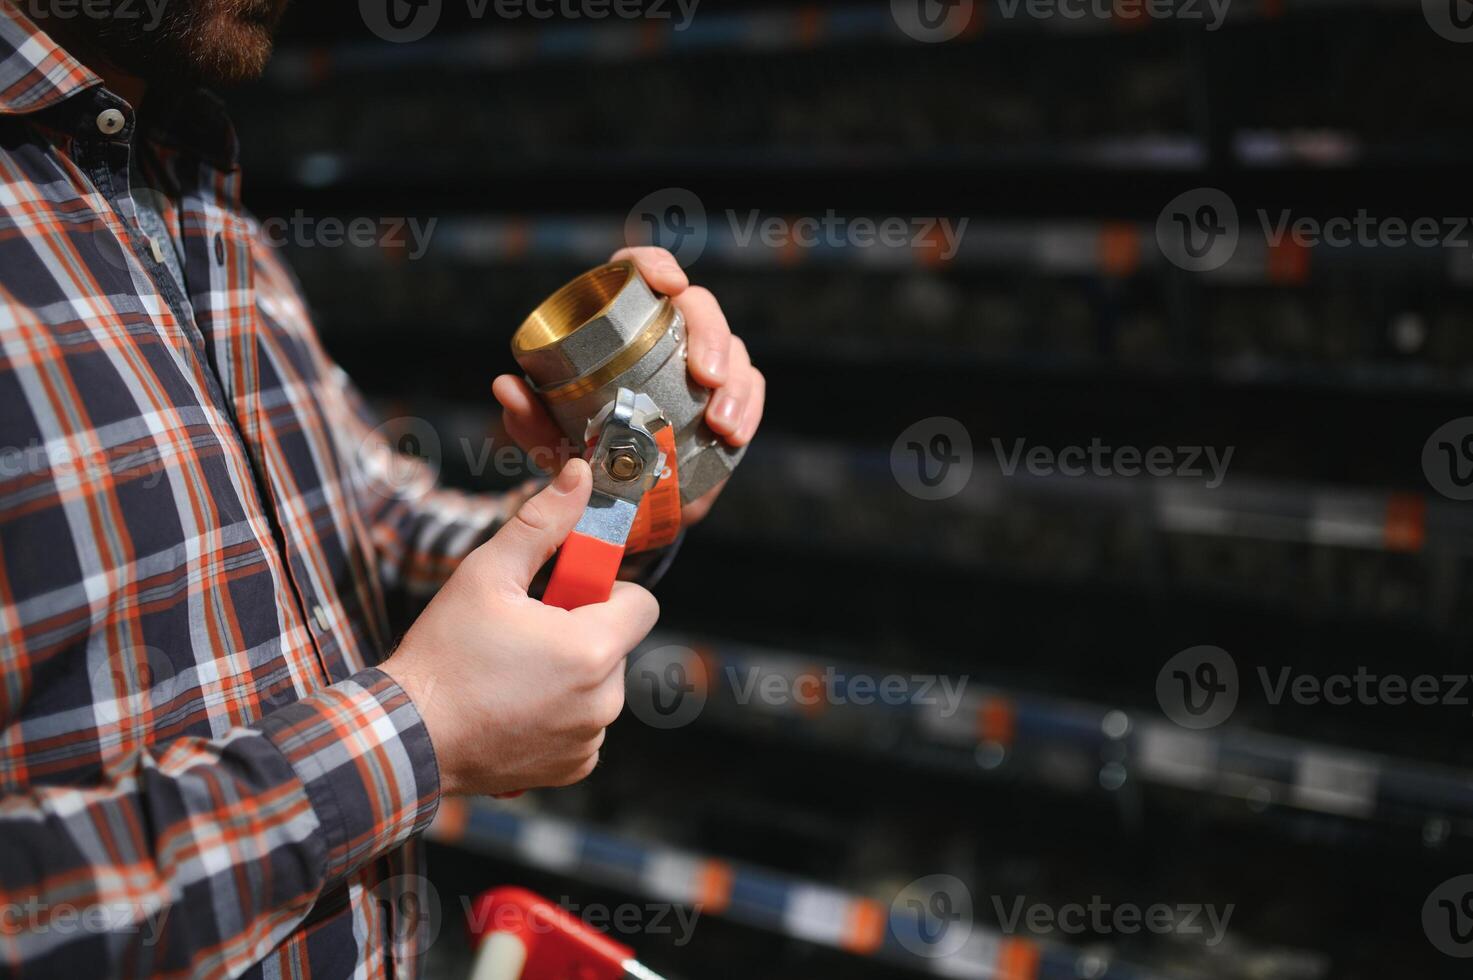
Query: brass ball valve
{"x": 606, "y": 354}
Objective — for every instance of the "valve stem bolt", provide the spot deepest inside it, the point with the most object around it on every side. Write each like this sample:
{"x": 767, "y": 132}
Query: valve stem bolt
{"x": 624, "y": 464}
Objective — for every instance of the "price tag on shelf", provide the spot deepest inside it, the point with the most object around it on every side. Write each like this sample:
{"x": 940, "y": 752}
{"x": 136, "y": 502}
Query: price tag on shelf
{"x": 549, "y": 844}
{"x": 1177, "y": 757}
{"x": 1335, "y": 783}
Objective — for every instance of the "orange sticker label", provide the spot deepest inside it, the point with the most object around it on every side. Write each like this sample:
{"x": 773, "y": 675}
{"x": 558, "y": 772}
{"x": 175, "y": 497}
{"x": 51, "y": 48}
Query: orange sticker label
{"x": 657, "y": 523}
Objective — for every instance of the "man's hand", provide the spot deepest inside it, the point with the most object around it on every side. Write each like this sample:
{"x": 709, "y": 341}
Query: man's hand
{"x": 515, "y": 694}
{"x": 717, "y": 360}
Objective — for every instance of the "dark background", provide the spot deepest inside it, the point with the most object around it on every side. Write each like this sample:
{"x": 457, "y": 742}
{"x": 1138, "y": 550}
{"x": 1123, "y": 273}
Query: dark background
{"x": 1325, "y": 369}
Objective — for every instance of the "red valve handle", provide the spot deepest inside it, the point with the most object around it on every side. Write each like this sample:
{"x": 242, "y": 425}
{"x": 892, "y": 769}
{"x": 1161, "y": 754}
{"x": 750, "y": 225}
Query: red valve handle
{"x": 558, "y": 946}
{"x": 585, "y": 572}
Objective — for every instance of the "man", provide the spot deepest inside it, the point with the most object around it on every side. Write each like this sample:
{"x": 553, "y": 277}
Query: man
{"x": 208, "y": 765}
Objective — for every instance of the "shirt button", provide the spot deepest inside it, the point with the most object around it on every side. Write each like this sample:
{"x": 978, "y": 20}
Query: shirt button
{"x": 111, "y": 122}
{"x": 157, "y": 250}
{"x": 320, "y": 615}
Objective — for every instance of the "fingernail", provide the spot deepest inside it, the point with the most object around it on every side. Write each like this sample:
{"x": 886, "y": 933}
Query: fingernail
{"x": 567, "y": 479}
{"x": 726, "y": 410}
{"x": 714, "y": 363}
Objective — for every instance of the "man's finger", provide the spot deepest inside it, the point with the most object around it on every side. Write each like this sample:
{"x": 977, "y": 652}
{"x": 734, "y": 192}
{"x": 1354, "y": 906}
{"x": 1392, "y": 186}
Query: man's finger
{"x": 658, "y": 266}
{"x": 515, "y": 395}
{"x": 752, "y": 417}
{"x": 523, "y": 546}
{"x": 729, "y": 403}
{"x": 528, "y": 423}
{"x": 625, "y": 619}
{"x": 708, "y": 335}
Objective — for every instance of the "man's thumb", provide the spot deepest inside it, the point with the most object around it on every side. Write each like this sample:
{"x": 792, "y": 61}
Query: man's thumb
{"x": 523, "y": 546}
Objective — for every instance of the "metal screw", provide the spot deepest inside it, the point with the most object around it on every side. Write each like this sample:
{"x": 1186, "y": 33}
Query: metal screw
{"x": 624, "y": 464}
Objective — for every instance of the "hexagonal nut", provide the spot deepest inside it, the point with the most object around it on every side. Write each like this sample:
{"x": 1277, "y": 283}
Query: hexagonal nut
{"x": 624, "y": 464}
{"x": 594, "y": 342}
{"x": 703, "y": 470}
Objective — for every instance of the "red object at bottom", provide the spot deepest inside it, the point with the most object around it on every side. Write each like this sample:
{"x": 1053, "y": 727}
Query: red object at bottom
{"x": 559, "y": 946}
{"x": 585, "y": 572}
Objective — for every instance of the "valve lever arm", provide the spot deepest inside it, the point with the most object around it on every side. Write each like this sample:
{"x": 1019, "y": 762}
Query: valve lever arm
{"x": 626, "y": 462}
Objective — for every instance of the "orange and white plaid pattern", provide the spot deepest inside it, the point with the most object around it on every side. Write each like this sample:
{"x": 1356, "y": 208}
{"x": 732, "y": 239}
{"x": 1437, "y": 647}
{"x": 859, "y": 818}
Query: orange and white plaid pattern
{"x": 201, "y": 542}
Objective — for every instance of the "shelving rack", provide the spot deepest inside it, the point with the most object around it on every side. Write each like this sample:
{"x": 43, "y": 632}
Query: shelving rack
{"x": 812, "y": 912}
{"x": 980, "y": 731}
{"x": 1057, "y": 321}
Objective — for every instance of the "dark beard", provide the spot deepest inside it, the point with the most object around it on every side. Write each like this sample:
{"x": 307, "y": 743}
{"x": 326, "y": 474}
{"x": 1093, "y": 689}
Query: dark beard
{"x": 172, "y": 42}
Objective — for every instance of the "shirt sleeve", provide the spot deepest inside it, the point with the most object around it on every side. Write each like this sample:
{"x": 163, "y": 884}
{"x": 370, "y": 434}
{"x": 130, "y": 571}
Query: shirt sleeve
{"x": 419, "y": 530}
{"x": 198, "y": 857}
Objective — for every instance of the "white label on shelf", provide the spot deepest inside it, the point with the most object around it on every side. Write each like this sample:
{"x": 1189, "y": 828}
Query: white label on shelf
{"x": 1176, "y": 756}
{"x": 1335, "y": 783}
{"x": 774, "y": 685}
{"x": 1348, "y": 521}
{"x": 958, "y": 725}
{"x": 1068, "y": 248}
{"x": 1188, "y": 512}
{"x": 816, "y": 914}
{"x": 976, "y": 959}
{"x": 549, "y": 844}
{"x": 672, "y": 876}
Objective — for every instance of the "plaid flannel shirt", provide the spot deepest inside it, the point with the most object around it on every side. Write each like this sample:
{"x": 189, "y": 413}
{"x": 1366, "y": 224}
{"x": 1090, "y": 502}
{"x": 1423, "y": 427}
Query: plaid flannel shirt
{"x": 201, "y": 772}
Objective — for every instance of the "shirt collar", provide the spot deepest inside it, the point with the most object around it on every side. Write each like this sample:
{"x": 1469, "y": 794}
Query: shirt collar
{"x": 196, "y": 121}
{"x": 35, "y": 72}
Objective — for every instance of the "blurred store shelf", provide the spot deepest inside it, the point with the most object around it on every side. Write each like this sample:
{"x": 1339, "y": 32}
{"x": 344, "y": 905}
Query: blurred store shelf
{"x": 1112, "y": 250}
{"x": 1080, "y": 298}
{"x": 967, "y": 729}
{"x": 894, "y": 928}
{"x": 1031, "y": 97}
{"x": 1330, "y": 516}
{"x": 799, "y": 27}
{"x": 1119, "y": 529}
